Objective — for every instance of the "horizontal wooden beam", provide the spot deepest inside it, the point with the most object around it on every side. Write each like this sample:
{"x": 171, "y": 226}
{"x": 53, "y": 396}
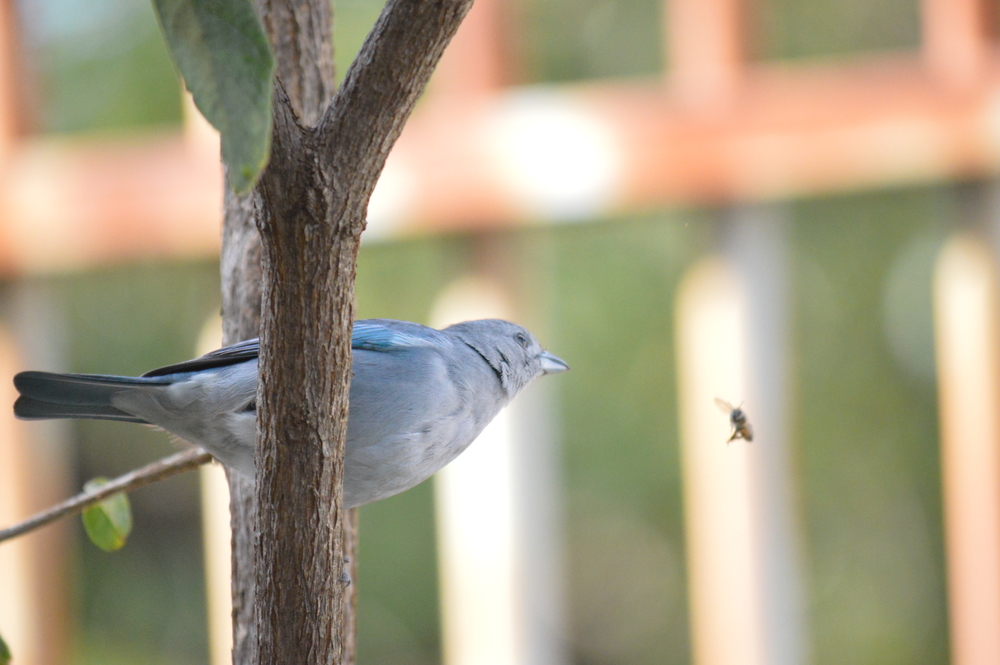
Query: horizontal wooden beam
{"x": 533, "y": 155}
{"x": 68, "y": 203}
{"x": 576, "y": 152}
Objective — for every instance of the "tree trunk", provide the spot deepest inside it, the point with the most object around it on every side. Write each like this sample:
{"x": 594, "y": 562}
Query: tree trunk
{"x": 294, "y": 283}
{"x": 240, "y": 265}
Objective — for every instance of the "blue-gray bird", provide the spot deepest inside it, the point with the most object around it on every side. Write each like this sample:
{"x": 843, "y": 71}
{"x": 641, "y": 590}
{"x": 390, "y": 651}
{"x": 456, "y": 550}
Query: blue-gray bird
{"x": 418, "y": 398}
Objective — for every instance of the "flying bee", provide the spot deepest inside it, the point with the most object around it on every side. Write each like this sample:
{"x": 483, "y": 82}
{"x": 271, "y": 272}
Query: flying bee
{"x": 738, "y": 419}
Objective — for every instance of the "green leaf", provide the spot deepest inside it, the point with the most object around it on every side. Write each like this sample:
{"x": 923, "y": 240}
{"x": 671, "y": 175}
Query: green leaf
{"x": 107, "y": 522}
{"x": 5, "y": 656}
{"x": 223, "y": 55}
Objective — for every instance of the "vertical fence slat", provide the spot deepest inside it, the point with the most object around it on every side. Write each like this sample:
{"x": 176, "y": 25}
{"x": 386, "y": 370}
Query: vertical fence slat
{"x": 19, "y": 613}
{"x": 718, "y": 498}
{"x": 475, "y": 514}
{"x": 218, "y": 562}
{"x": 216, "y": 535}
{"x": 705, "y": 48}
{"x": 757, "y": 242}
{"x": 955, "y": 46}
{"x": 966, "y": 337}
{"x": 498, "y": 536}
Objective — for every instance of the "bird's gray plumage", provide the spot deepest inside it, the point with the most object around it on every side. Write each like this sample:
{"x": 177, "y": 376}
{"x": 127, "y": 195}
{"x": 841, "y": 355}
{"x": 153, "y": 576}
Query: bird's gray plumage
{"x": 418, "y": 398}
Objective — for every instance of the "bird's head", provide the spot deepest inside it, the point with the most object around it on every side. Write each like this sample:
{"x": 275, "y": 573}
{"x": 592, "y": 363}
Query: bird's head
{"x": 513, "y": 352}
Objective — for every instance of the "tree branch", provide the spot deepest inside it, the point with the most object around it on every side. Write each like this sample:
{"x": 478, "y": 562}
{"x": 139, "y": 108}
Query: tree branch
{"x": 382, "y": 85}
{"x": 301, "y": 38}
{"x": 164, "y": 468}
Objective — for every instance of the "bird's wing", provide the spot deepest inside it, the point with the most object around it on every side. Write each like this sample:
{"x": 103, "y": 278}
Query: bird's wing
{"x": 385, "y": 336}
{"x": 371, "y": 335}
{"x": 229, "y": 355}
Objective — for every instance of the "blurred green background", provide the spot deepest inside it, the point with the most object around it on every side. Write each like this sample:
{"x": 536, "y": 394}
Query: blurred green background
{"x": 602, "y": 294}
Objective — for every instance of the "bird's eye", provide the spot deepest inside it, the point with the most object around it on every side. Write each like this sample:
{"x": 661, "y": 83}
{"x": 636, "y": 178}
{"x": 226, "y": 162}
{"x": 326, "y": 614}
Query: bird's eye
{"x": 521, "y": 339}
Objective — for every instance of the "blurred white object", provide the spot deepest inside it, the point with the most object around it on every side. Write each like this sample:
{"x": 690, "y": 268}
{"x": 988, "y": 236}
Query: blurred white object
{"x": 498, "y": 526}
{"x": 967, "y": 325}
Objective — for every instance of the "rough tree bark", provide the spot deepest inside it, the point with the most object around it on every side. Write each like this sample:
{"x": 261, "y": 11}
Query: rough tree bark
{"x": 293, "y": 283}
{"x": 241, "y": 284}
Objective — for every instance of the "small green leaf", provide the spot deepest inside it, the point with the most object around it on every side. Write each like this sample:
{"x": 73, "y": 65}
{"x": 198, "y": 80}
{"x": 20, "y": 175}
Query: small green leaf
{"x": 5, "y": 657}
{"x": 223, "y": 55}
{"x": 107, "y": 522}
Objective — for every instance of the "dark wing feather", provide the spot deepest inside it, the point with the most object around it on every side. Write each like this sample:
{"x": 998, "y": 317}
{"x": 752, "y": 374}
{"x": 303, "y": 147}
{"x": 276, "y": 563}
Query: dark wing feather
{"x": 229, "y": 355}
{"x": 371, "y": 335}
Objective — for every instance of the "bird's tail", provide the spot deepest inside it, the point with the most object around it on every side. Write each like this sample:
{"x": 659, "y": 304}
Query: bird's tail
{"x": 45, "y": 395}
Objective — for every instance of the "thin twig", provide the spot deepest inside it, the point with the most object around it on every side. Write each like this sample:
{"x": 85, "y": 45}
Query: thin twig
{"x": 158, "y": 470}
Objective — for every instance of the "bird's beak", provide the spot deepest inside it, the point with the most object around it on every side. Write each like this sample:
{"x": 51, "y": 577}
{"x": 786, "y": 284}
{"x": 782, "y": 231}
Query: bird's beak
{"x": 551, "y": 364}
